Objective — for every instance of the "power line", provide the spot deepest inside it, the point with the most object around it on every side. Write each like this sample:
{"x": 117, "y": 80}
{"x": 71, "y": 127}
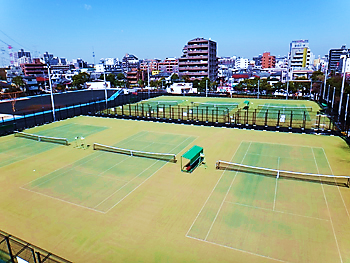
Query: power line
{"x": 13, "y": 40}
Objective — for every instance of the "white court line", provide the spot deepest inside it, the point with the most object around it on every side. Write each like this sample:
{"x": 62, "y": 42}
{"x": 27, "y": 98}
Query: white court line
{"x": 265, "y": 155}
{"x": 237, "y": 249}
{"x": 277, "y": 211}
{"x": 228, "y": 190}
{"x": 71, "y": 164}
{"x": 337, "y": 185}
{"x": 291, "y": 145}
{"x": 274, "y": 199}
{"x": 330, "y": 216}
{"x": 131, "y": 181}
{"x": 58, "y": 199}
{"x": 206, "y": 201}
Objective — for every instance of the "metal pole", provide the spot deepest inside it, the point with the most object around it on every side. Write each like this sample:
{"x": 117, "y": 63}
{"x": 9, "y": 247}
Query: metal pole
{"x": 346, "y": 108}
{"x": 52, "y": 101}
{"x": 342, "y": 87}
{"x": 333, "y": 98}
{"x": 329, "y": 88}
{"x": 104, "y": 79}
{"x": 258, "y": 87}
{"x": 324, "y": 85}
{"x": 287, "y": 89}
{"x": 310, "y": 88}
{"x": 206, "y": 88}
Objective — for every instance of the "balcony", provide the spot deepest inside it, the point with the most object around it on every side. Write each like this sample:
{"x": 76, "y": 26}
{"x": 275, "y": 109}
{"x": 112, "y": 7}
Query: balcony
{"x": 197, "y": 51}
{"x": 194, "y": 68}
{"x": 198, "y": 45}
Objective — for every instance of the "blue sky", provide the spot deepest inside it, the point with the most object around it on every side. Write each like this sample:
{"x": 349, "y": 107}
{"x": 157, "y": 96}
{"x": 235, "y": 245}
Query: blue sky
{"x": 160, "y": 29}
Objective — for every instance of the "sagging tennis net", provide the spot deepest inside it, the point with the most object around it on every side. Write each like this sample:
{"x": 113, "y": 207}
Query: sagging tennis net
{"x": 319, "y": 178}
{"x": 159, "y": 156}
{"x": 42, "y": 138}
{"x": 283, "y": 108}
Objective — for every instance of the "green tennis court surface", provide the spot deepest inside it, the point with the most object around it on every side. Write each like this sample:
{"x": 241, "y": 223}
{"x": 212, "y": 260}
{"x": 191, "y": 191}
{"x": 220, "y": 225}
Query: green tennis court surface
{"x": 102, "y": 179}
{"x": 86, "y": 204}
{"x": 17, "y": 148}
{"x": 280, "y": 219}
{"x": 276, "y": 110}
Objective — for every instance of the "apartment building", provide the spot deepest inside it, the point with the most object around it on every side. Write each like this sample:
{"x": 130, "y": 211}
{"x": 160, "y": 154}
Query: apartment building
{"x": 153, "y": 65}
{"x": 241, "y": 63}
{"x": 34, "y": 68}
{"x": 169, "y": 65}
{"x": 199, "y": 60}
{"x": 300, "y": 56}
{"x": 335, "y": 60}
{"x": 268, "y": 61}
{"x": 22, "y": 57}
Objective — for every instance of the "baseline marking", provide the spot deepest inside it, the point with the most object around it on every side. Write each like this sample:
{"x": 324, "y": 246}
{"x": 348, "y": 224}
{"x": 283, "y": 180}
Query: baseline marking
{"x": 237, "y": 249}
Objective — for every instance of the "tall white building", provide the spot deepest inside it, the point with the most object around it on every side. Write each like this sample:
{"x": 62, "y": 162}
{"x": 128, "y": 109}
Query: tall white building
{"x": 300, "y": 55}
{"x": 241, "y": 63}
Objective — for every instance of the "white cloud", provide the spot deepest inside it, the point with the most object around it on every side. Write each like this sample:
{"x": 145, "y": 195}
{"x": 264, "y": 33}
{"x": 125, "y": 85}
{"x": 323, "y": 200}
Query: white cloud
{"x": 87, "y": 7}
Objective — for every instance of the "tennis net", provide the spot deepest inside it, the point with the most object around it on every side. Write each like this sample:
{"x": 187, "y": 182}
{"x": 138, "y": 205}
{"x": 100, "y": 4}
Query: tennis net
{"x": 159, "y": 156}
{"x": 319, "y": 178}
{"x": 162, "y": 102}
{"x": 284, "y": 108}
{"x": 216, "y": 105}
{"x": 42, "y": 138}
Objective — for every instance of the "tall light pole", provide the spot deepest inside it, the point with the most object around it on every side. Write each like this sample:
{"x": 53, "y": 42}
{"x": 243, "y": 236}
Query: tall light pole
{"x": 346, "y": 108}
{"x": 51, "y": 93}
{"x": 258, "y": 87}
{"x": 206, "y": 88}
{"x": 333, "y": 99}
{"x": 342, "y": 85}
{"x": 325, "y": 80}
{"x": 104, "y": 82}
{"x": 310, "y": 88}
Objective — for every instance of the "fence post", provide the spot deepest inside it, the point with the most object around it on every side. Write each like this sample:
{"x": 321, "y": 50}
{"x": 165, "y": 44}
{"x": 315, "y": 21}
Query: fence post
{"x": 9, "y": 249}
{"x": 291, "y": 120}
{"x": 34, "y": 118}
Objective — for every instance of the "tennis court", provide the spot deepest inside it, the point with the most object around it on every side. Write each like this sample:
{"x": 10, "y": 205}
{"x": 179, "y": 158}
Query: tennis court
{"x": 280, "y": 219}
{"x": 108, "y": 206}
{"x": 16, "y": 149}
{"x": 102, "y": 179}
{"x": 276, "y": 110}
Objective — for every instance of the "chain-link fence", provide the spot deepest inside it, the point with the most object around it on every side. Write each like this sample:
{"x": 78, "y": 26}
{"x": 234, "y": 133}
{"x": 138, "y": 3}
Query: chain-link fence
{"x": 284, "y": 120}
{"x": 15, "y": 250}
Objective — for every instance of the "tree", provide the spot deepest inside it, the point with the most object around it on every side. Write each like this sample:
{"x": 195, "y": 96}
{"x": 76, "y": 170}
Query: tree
{"x": 80, "y": 79}
{"x": 174, "y": 77}
{"x": 203, "y": 84}
{"x": 18, "y": 81}
{"x": 141, "y": 83}
{"x": 196, "y": 84}
{"x": 186, "y": 78}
